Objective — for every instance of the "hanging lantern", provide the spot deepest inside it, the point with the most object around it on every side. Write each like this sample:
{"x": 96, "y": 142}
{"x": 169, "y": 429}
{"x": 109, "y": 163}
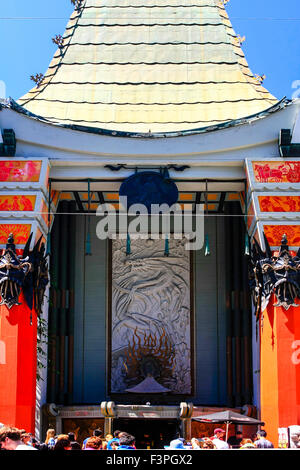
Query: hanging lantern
{"x": 247, "y": 245}
{"x": 48, "y": 244}
{"x": 88, "y": 251}
{"x": 128, "y": 245}
{"x": 207, "y": 248}
{"x": 167, "y": 246}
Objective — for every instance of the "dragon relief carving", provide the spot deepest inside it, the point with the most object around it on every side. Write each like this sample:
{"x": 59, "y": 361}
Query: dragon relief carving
{"x": 151, "y": 330}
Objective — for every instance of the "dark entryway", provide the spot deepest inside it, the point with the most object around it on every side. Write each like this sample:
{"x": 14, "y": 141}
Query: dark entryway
{"x": 149, "y": 433}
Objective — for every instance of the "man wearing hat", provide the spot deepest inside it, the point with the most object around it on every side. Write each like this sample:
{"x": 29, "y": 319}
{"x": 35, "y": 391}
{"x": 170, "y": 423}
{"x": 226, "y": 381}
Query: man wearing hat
{"x": 218, "y": 439}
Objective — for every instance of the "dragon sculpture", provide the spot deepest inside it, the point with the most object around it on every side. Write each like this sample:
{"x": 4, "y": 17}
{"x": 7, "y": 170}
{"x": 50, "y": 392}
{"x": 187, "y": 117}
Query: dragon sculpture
{"x": 28, "y": 273}
{"x": 278, "y": 274}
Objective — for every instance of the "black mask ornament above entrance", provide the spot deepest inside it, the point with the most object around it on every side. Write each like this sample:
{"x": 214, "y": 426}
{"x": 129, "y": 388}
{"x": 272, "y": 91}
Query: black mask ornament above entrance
{"x": 149, "y": 187}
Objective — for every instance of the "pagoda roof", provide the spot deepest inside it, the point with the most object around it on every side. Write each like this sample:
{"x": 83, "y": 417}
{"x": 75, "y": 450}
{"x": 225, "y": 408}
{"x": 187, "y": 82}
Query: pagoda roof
{"x": 158, "y": 66}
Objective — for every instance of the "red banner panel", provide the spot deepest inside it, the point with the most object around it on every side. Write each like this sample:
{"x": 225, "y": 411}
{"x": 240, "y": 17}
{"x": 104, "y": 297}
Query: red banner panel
{"x": 21, "y": 233}
{"x": 274, "y": 234}
{"x": 20, "y": 171}
{"x": 277, "y": 172}
{"x": 279, "y": 203}
{"x": 17, "y": 203}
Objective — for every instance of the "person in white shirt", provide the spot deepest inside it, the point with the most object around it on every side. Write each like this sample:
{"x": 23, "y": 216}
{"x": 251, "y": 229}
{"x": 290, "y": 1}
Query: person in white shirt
{"x": 10, "y": 439}
{"x": 218, "y": 439}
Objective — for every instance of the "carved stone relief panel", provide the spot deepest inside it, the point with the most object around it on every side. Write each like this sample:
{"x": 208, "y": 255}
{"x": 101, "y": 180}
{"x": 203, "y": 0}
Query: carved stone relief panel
{"x": 151, "y": 315}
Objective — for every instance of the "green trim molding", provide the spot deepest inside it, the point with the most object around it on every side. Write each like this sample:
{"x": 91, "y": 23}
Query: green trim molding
{"x": 286, "y": 148}
{"x": 8, "y": 147}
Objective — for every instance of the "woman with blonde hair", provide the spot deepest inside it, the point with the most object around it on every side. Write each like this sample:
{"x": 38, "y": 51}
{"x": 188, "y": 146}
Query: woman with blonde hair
{"x": 207, "y": 443}
{"x": 50, "y": 441}
{"x": 247, "y": 444}
{"x": 195, "y": 444}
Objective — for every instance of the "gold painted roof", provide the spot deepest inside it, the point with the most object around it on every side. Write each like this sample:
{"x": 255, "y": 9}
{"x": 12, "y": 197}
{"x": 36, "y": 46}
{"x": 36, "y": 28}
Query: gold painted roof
{"x": 140, "y": 66}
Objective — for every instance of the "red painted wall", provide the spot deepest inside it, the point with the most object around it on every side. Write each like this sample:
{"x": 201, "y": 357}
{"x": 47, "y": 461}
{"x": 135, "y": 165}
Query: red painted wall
{"x": 18, "y": 362}
{"x": 280, "y": 368}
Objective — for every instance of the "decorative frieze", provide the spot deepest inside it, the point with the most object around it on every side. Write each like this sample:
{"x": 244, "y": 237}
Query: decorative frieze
{"x": 22, "y": 171}
{"x": 21, "y": 233}
{"x": 274, "y": 201}
{"x": 274, "y": 234}
{"x": 276, "y": 171}
{"x": 279, "y": 203}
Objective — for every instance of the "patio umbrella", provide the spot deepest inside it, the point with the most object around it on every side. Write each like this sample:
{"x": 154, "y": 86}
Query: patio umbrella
{"x": 228, "y": 417}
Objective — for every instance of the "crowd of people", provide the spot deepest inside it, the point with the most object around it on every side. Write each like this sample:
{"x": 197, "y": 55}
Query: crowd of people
{"x": 218, "y": 441}
{"x": 18, "y": 439}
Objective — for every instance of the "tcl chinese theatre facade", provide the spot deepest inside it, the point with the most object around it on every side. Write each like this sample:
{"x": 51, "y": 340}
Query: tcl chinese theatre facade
{"x": 155, "y": 103}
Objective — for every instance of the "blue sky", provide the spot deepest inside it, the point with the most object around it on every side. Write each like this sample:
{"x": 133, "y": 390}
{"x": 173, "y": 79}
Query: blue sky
{"x": 271, "y": 28}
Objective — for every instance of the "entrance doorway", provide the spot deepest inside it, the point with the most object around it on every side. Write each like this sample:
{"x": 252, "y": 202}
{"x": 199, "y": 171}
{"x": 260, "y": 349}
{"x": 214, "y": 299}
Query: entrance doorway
{"x": 149, "y": 433}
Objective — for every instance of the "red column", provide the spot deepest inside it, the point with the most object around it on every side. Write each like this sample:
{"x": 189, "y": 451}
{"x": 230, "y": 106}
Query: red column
{"x": 18, "y": 363}
{"x": 296, "y": 357}
{"x": 280, "y": 368}
{"x": 287, "y": 383}
{"x": 269, "y": 373}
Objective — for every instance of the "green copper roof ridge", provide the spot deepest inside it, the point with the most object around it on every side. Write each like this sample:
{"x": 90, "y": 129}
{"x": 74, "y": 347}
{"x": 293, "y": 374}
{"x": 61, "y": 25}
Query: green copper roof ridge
{"x": 123, "y": 25}
{"x": 96, "y": 7}
{"x": 12, "y": 104}
{"x": 119, "y": 103}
